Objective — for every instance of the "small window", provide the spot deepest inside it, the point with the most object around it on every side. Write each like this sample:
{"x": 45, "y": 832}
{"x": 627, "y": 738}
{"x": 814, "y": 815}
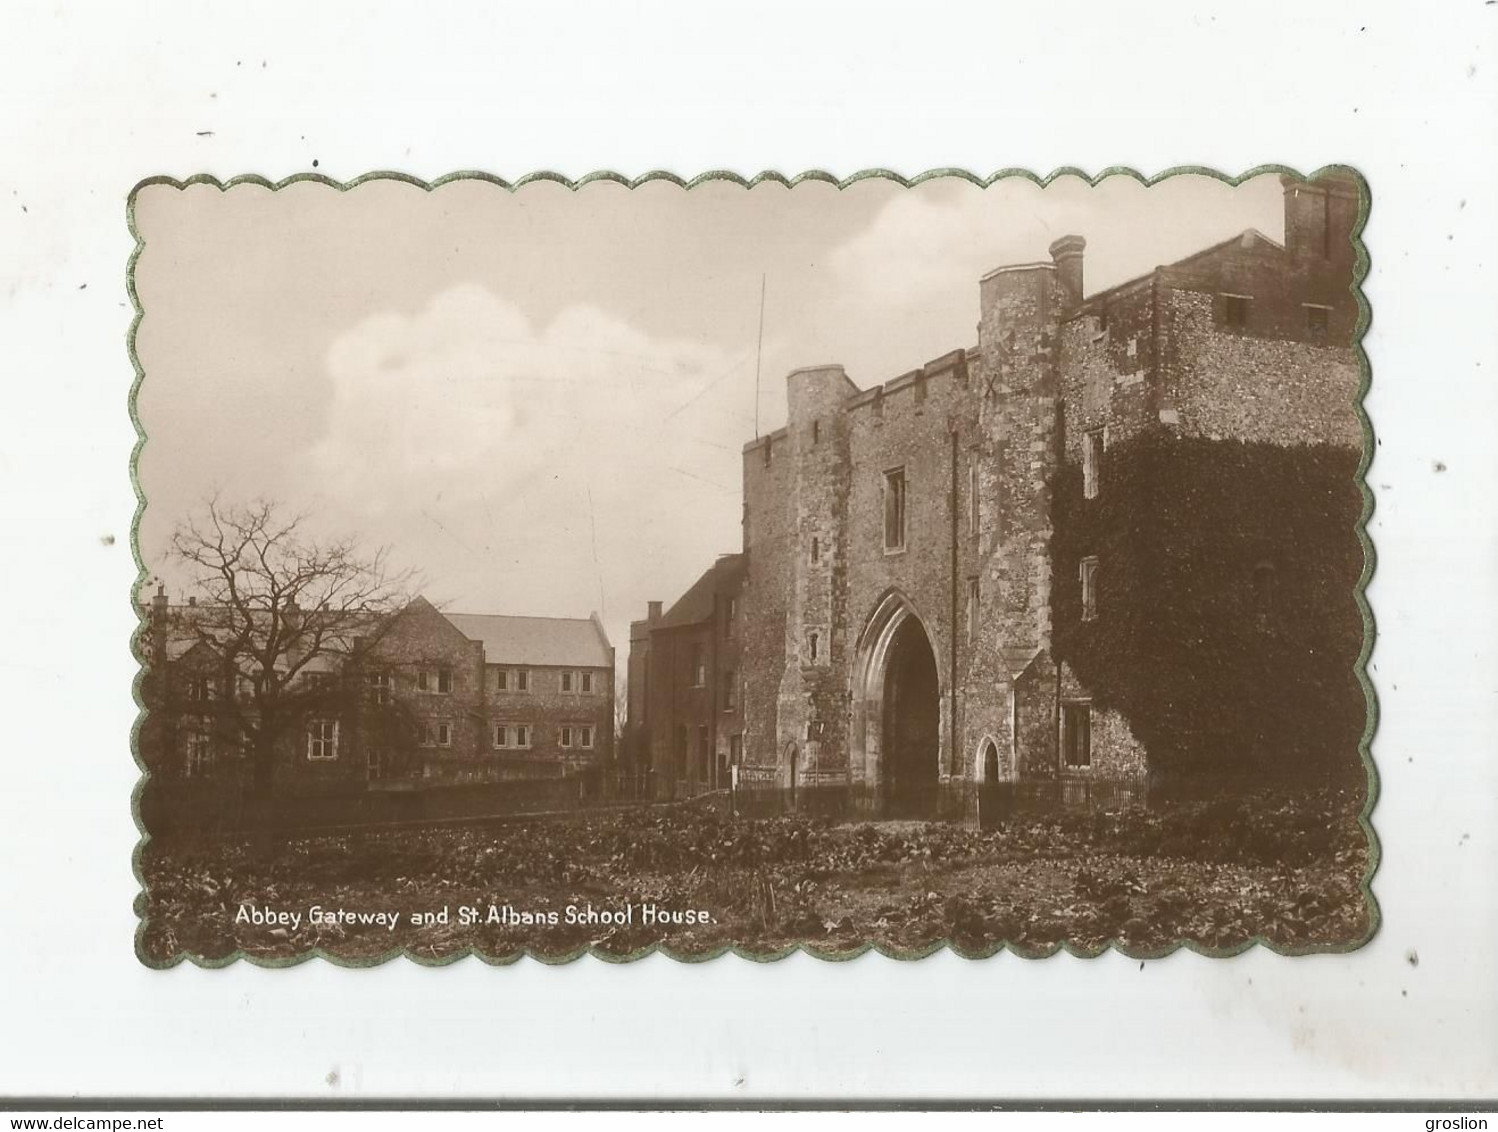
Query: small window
{"x": 501, "y": 680}
{"x": 438, "y": 680}
{"x": 587, "y": 681}
{"x": 379, "y": 687}
{"x": 322, "y": 739}
{"x": 1094, "y": 443}
{"x": 894, "y": 509}
{"x": 501, "y": 735}
{"x": 816, "y": 432}
{"x": 813, "y": 646}
{"x": 1087, "y": 571}
{"x": 730, "y": 690}
{"x": 1263, "y": 591}
{"x": 1318, "y": 320}
{"x": 522, "y": 680}
{"x": 730, "y": 614}
{"x": 199, "y": 751}
{"x": 376, "y": 763}
{"x": 522, "y": 735}
{"x": 816, "y": 549}
{"x": 585, "y": 738}
{"x": 565, "y": 737}
{"x": 1076, "y": 735}
{"x": 568, "y": 681}
{"x": 200, "y": 690}
{"x": 699, "y": 666}
{"x": 1235, "y": 311}
{"x": 972, "y": 610}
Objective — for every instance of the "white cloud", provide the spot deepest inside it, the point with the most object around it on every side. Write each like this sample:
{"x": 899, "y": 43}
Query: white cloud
{"x": 547, "y": 469}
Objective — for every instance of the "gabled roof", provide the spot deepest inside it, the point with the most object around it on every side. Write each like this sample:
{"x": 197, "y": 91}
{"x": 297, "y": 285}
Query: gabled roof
{"x": 542, "y": 641}
{"x": 698, "y": 603}
{"x": 1249, "y": 237}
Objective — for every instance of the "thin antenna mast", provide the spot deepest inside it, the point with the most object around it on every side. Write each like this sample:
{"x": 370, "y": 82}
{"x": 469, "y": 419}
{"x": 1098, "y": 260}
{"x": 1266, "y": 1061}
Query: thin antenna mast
{"x": 759, "y": 353}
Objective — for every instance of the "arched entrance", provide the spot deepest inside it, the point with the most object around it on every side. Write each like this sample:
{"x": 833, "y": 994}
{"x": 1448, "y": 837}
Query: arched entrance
{"x": 897, "y": 739}
{"x": 912, "y": 724}
{"x": 990, "y": 762}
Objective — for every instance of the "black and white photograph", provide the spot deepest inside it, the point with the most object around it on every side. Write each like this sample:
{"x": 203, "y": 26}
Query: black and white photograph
{"x": 758, "y": 565}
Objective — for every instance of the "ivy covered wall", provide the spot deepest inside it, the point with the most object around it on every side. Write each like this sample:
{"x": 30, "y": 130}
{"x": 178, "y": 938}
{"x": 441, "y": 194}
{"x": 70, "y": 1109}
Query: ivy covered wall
{"x": 1227, "y": 629}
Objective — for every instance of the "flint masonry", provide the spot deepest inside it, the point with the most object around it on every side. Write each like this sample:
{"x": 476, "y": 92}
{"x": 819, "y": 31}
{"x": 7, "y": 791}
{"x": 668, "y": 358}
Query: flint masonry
{"x": 1116, "y": 539}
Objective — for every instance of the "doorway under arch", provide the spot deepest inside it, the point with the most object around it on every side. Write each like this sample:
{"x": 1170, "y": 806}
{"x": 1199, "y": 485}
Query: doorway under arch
{"x": 897, "y": 736}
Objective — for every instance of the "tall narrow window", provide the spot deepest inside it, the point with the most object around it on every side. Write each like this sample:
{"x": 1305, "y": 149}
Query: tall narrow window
{"x": 1317, "y": 321}
{"x": 730, "y": 614}
{"x": 523, "y": 680}
{"x": 894, "y": 509}
{"x": 972, "y": 610}
{"x": 1094, "y": 442}
{"x": 730, "y": 690}
{"x": 973, "y": 514}
{"x": 699, "y": 666}
{"x": 567, "y": 681}
{"x": 816, "y": 432}
{"x": 813, "y": 647}
{"x": 501, "y": 680}
{"x": 1076, "y": 735}
{"x": 1087, "y": 572}
{"x": 199, "y": 749}
{"x": 816, "y": 549}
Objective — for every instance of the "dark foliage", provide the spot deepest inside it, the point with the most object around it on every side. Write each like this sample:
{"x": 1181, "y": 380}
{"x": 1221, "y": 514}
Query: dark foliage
{"x": 1227, "y": 631}
{"x": 1283, "y": 866}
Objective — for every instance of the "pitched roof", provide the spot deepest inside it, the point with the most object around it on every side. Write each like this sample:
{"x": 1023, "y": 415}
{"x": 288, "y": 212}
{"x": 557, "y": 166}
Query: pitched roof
{"x": 697, "y": 604}
{"x": 542, "y": 641}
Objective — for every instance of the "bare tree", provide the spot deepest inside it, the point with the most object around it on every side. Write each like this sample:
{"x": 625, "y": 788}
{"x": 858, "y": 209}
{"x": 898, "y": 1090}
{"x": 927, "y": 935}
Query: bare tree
{"x": 289, "y": 615}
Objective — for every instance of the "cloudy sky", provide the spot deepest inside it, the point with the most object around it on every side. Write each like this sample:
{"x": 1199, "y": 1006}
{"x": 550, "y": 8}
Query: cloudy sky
{"x": 538, "y": 398}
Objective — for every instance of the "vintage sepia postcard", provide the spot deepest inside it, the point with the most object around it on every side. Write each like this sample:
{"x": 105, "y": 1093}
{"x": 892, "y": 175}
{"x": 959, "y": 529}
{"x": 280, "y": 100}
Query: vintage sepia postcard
{"x": 554, "y": 568}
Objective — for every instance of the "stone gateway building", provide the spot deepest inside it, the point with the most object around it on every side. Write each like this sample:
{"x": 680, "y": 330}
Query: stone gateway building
{"x": 1117, "y": 540}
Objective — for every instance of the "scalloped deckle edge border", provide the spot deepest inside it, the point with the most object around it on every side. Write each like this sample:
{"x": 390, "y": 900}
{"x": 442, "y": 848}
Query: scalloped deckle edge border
{"x": 1360, "y": 273}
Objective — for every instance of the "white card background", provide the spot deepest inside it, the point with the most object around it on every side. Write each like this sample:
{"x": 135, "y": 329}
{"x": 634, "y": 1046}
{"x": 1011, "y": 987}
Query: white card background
{"x": 95, "y": 100}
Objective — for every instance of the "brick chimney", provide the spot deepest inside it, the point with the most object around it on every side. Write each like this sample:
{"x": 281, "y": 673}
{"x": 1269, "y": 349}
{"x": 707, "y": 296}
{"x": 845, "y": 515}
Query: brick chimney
{"x": 653, "y": 613}
{"x": 1319, "y": 216}
{"x": 1067, "y": 254}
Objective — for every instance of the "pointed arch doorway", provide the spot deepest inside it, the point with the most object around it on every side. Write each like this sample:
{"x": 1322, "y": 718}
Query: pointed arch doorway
{"x": 897, "y": 719}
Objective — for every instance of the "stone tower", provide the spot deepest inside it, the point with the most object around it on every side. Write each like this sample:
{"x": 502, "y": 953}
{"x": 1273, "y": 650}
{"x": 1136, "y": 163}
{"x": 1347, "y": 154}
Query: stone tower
{"x": 812, "y": 701}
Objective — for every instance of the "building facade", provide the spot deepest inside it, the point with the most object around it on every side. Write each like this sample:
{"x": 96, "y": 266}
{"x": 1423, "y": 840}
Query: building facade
{"x": 1116, "y": 539}
{"x": 424, "y": 698}
{"x": 686, "y": 718}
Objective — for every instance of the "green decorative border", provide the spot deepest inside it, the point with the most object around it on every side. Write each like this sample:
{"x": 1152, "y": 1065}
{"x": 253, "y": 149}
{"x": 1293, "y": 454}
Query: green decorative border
{"x": 1360, "y": 272}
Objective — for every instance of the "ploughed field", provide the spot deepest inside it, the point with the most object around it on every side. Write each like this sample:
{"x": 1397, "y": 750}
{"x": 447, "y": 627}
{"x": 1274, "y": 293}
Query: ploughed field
{"x": 1285, "y": 868}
